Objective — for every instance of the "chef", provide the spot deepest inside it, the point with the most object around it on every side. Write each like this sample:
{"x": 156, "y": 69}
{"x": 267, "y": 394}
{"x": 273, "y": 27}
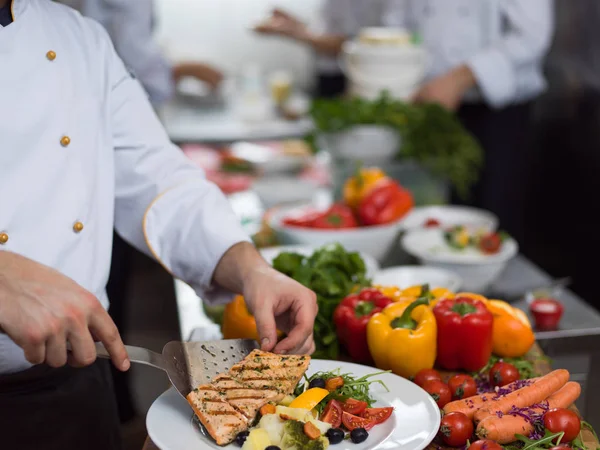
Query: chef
{"x": 82, "y": 151}
{"x": 487, "y": 66}
{"x": 339, "y": 20}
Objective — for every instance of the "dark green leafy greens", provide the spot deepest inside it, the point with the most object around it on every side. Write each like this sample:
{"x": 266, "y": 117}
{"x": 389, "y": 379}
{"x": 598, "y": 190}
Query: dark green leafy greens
{"x": 356, "y": 388}
{"x": 332, "y": 273}
{"x": 431, "y": 135}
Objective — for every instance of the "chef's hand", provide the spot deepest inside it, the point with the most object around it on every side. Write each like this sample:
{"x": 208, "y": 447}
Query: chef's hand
{"x": 203, "y": 72}
{"x": 41, "y": 310}
{"x": 447, "y": 90}
{"x": 276, "y": 301}
{"x": 282, "y": 24}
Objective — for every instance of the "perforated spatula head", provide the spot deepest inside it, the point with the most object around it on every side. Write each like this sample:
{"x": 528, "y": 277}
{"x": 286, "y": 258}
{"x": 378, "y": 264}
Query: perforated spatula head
{"x": 190, "y": 364}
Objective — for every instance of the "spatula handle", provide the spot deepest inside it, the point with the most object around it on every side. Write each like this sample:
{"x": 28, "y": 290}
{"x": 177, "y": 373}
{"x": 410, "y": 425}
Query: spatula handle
{"x": 136, "y": 355}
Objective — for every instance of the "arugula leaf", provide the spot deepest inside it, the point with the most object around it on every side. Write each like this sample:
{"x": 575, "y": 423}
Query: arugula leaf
{"x": 578, "y": 441}
{"x": 549, "y": 440}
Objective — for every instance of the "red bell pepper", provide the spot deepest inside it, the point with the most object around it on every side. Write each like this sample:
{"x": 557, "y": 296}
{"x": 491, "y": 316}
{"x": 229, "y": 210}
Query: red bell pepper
{"x": 351, "y": 318}
{"x": 385, "y": 204}
{"x": 464, "y": 337}
{"x": 338, "y": 216}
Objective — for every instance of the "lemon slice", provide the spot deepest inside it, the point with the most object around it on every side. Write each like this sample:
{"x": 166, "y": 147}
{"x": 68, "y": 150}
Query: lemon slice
{"x": 310, "y": 398}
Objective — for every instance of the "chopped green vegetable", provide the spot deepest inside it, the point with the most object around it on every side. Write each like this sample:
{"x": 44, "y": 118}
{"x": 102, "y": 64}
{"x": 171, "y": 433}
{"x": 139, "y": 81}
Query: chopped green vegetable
{"x": 431, "y": 135}
{"x": 332, "y": 273}
{"x": 356, "y": 388}
{"x": 294, "y": 437}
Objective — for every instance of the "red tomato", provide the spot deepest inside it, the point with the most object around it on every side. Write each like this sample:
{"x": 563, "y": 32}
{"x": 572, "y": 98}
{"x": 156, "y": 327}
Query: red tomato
{"x": 426, "y": 375}
{"x": 439, "y": 391}
{"x": 485, "y": 444}
{"x": 456, "y": 429}
{"x": 378, "y": 415}
{"x": 560, "y": 419}
{"x": 351, "y": 422}
{"x": 336, "y": 217}
{"x": 431, "y": 223}
{"x": 332, "y": 413}
{"x": 503, "y": 373}
{"x": 462, "y": 386}
{"x": 386, "y": 203}
{"x": 490, "y": 243}
{"x": 305, "y": 220}
{"x": 354, "y": 406}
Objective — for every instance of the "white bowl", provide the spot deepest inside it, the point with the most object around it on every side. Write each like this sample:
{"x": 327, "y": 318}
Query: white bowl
{"x": 450, "y": 216}
{"x": 274, "y": 191}
{"x": 376, "y": 241}
{"x": 477, "y": 270}
{"x": 271, "y": 253}
{"x": 371, "y": 144}
{"x": 407, "y": 276}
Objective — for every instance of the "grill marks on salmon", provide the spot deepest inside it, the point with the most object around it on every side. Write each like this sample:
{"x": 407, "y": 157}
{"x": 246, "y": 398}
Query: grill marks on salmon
{"x": 230, "y": 403}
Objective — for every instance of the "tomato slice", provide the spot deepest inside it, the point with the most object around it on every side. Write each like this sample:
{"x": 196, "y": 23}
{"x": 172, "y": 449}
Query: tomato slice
{"x": 351, "y": 422}
{"x": 353, "y": 406}
{"x": 332, "y": 413}
{"x": 378, "y": 415}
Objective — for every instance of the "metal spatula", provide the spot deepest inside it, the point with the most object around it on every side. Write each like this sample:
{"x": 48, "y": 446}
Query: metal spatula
{"x": 190, "y": 364}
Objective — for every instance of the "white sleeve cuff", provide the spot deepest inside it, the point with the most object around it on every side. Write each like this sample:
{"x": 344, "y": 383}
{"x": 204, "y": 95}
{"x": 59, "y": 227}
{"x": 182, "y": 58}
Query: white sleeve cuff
{"x": 188, "y": 229}
{"x": 495, "y": 77}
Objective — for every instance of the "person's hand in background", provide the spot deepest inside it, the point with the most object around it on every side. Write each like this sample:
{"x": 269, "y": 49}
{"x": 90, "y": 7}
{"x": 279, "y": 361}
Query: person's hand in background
{"x": 276, "y": 301}
{"x": 203, "y": 72}
{"x": 282, "y": 24}
{"x": 447, "y": 90}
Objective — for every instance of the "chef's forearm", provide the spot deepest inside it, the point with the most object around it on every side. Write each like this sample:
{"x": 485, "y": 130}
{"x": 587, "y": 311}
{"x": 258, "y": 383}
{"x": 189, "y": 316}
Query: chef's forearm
{"x": 236, "y": 265}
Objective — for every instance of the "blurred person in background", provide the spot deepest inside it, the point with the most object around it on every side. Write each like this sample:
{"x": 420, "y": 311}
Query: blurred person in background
{"x": 130, "y": 25}
{"x": 340, "y": 20}
{"x": 487, "y": 66}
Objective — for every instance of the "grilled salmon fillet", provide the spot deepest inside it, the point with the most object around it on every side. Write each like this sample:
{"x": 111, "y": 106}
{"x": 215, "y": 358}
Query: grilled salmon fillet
{"x": 230, "y": 403}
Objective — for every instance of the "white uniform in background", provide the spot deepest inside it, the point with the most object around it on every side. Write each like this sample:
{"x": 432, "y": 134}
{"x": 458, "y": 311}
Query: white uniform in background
{"x": 503, "y": 42}
{"x": 81, "y": 151}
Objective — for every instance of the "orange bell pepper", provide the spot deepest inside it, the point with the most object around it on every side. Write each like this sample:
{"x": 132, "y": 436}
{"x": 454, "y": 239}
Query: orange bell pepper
{"x": 238, "y": 323}
{"x": 357, "y": 187}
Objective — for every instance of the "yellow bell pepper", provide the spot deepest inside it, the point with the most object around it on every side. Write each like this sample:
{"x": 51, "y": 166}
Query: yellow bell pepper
{"x": 403, "y": 337}
{"x": 393, "y": 292}
{"x": 310, "y": 398}
{"x": 357, "y": 187}
{"x": 238, "y": 323}
{"x": 512, "y": 335}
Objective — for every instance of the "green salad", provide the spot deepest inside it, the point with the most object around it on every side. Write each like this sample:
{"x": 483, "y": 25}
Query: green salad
{"x": 332, "y": 273}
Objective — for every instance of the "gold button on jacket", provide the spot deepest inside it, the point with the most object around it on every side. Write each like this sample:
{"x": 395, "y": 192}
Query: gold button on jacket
{"x": 51, "y": 55}
{"x": 65, "y": 141}
{"x": 3, "y": 238}
{"x": 78, "y": 227}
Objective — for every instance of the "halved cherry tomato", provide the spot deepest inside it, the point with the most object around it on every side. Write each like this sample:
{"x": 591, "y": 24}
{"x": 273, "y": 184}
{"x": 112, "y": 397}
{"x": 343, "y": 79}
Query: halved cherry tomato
{"x": 332, "y": 413}
{"x": 336, "y": 217}
{"x": 354, "y": 406}
{"x": 426, "y": 375}
{"x": 351, "y": 422}
{"x": 378, "y": 415}
{"x": 485, "y": 444}
{"x": 462, "y": 386}
{"x": 431, "y": 223}
{"x": 490, "y": 243}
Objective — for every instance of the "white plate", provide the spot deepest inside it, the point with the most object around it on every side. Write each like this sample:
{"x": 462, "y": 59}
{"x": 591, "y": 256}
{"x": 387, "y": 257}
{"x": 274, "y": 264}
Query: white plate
{"x": 407, "y": 276}
{"x": 450, "y": 216}
{"x": 271, "y": 253}
{"x": 413, "y": 425}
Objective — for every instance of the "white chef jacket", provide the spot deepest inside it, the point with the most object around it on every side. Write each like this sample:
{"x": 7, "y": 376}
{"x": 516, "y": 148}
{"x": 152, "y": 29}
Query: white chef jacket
{"x": 82, "y": 150}
{"x": 130, "y": 24}
{"x": 503, "y": 42}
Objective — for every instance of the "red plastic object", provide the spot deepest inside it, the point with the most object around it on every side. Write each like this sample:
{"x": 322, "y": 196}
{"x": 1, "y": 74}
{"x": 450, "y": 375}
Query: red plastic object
{"x": 547, "y": 313}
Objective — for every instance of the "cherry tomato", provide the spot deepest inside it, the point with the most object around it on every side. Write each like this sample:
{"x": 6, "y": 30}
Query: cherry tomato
{"x": 331, "y": 384}
{"x": 503, "y": 373}
{"x": 332, "y": 413}
{"x": 351, "y": 422}
{"x": 485, "y": 444}
{"x": 560, "y": 419}
{"x": 378, "y": 415}
{"x": 490, "y": 243}
{"x": 431, "y": 223}
{"x": 462, "y": 386}
{"x": 439, "y": 391}
{"x": 426, "y": 375}
{"x": 354, "y": 406}
{"x": 456, "y": 429}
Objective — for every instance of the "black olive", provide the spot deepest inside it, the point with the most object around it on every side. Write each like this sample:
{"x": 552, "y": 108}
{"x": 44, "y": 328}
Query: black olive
{"x": 241, "y": 438}
{"x": 359, "y": 435}
{"x": 272, "y": 447}
{"x": 335, "y": 435}
{"x": 317, "y": 382}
